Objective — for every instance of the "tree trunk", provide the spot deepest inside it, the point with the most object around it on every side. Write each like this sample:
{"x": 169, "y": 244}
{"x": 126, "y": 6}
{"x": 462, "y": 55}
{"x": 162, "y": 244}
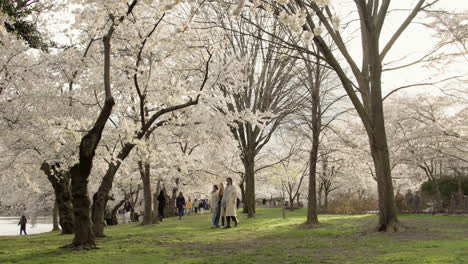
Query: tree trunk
{"x": 312, "y": 218}
{"x": 249, "y": 202}
{"x": 242, "y": 189}
{"x": 315, "y": 83}
{"x": 387, "y": 209}
{"x": 55, "y": 217}
{"x": 145, "y": 178}
{"x": 99, "y": 201}
{"x": 100, "y": 198}
{"x": 378, "y": 137}
{"x": 156, "y": 203}
{"x": 319, "y": 198}
{"x": 61, "y": 184}
{"x": 84, "y": 236}
{"x": 291, "y": 203}
{"x": 170, "y": 207}
{"x": 114, "y": 211}
{"x": 65, "y": 207}
{"x": 325, "y": 205}
{"x": 83, "y": 227}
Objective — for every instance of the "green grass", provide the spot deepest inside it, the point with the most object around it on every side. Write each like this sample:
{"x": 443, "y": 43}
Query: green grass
{"x": 265, "y": 239}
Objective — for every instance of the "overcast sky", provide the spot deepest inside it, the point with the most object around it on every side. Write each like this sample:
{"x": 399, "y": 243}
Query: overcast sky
{"x": 415, "y": 42}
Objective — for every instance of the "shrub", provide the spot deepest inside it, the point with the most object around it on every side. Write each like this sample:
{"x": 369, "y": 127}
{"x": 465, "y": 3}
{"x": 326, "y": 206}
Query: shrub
{"x": 350, "y": 203}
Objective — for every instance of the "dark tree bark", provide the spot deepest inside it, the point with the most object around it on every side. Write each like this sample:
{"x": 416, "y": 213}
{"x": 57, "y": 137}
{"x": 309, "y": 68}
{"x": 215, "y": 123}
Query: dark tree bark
{"x": 312, "y": 218}
{"x": 114, "y": 211}
{"x": 55, "y": 217}
{"x": 145, "y": 178}
{"x": 242, "y": 189}
{"x": 156, "y": 203}
{"x": 60, "y": 181}
{"x": 249, "y": 201}
{"x": 83, "y": 227}
{"x": 314, "y": 78}
{"x": 171, "y": 205}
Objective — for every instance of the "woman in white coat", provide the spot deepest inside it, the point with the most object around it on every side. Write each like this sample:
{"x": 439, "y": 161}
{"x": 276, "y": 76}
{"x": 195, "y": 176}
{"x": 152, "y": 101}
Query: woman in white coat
{"x": 229, "y": 203}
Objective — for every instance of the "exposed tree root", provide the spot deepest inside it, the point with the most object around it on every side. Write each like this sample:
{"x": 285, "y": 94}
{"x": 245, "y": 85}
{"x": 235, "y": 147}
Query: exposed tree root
{"x": 393, "y": 226}
{"x": 81, "y": 247}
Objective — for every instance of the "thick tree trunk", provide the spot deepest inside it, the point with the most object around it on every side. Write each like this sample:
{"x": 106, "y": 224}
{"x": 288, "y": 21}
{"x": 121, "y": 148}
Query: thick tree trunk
{"x": 170, "y": 206}
{"x": 388, "y": 217}
{"x": 84, "y": 236}
{"x": 100, "y": 198}
{"x": 61, "y": 184}
{"x": 291, "y": 203}
{"x": 99, "y": 201}
{"x": 378, "y": 137}
{"x": 83, "y": 227}
{"x": 249, "y": 202}
{"x": 55, "y": 217}
{"x": 145, "y": 178}
{"x": 65, "y": 207}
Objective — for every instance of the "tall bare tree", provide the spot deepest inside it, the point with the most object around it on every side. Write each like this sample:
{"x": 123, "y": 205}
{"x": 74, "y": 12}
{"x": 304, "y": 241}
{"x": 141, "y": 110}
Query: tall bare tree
{"x": 366, "y": 92}
{"x": 268, "y": 82}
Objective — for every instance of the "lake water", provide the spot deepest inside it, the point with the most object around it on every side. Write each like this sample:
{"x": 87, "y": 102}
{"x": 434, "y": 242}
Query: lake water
{"x": 9, "y": 225}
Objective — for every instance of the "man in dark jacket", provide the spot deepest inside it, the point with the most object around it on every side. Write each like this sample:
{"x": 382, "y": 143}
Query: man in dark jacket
{"x": 161, "y": 205}
{"x": 180, "y": 203}
{"x": 22, "y": 223}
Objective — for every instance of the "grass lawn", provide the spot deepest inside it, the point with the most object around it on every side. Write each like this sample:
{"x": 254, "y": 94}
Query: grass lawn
{"x": 265, "y": 239}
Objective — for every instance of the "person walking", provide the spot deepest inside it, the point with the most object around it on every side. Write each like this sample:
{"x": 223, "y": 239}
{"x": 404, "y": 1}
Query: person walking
{"x": 222, "y": 210}
{"x": 214, "y": 207}
{"x": 229, "y": 202}
{"x": 201, "y": 206}
{"x": 180, "y": 204}
{"x": 22, "y": 224}
{"x": 161, "y": 205}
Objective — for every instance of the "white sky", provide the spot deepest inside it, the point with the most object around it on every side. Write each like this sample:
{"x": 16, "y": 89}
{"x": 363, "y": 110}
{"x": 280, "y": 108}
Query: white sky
{"x": 414, "y": 43}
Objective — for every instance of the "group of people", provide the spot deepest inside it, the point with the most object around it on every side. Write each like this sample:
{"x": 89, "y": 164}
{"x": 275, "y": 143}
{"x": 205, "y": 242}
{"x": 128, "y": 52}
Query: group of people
{"x": 223, "y": 204}
{"x": 408, "y": 203}
{"x": 197, "y": 206}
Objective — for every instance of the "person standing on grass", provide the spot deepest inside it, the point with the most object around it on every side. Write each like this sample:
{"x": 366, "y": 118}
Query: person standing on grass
{"x": 229, "y": 203}
{"x": 202, "y": 206}
{"x": 195, "y": 206}
{"x": 22, "y": 224}
{"x": 222, "y": 211}
{"x": 189, "y": 206}
{"x": 205, "y": 205}
{"x": 180, "y": 204}
{"x": 215, "y": 209}
{"x": 161, "y": 205}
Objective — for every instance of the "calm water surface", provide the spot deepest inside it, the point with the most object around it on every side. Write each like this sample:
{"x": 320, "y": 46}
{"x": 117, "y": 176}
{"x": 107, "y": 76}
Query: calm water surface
{"x": 9, "y": 225}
